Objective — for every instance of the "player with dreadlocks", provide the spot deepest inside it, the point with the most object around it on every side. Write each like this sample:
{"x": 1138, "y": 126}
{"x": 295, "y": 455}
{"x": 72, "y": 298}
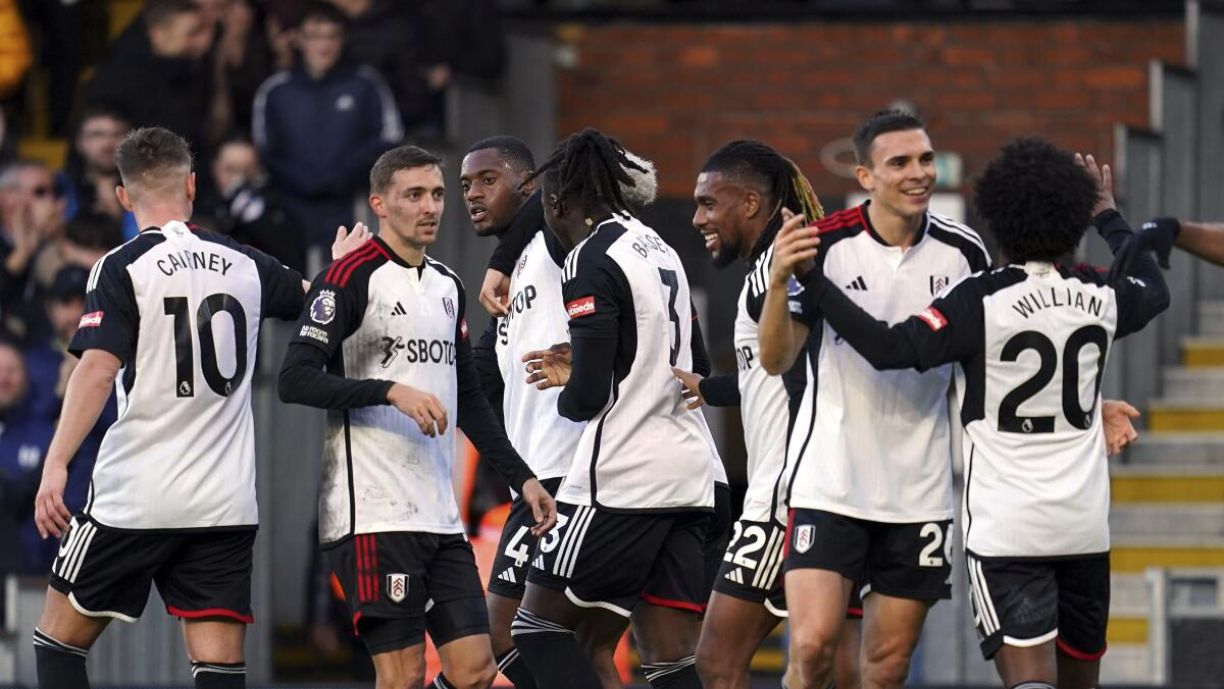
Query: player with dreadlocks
{"x": 640, "y": 491}
{"x": 740, "y": 194}
{"x": 869, "y": 452}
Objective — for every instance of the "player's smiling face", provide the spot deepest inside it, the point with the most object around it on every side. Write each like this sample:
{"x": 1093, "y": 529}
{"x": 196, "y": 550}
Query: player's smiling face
{"x": 901, "y": 176}
{"x": 411, "y": 208}
{"x": 490, "y": 191}
{"x": 724, "y": 211}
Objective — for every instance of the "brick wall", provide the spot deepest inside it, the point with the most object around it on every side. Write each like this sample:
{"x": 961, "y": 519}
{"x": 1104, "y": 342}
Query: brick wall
{"x": 674, "y": 92}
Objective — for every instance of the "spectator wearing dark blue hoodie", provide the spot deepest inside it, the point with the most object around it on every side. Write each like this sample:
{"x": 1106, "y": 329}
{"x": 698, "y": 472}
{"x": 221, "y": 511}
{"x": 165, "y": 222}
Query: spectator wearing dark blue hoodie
{"x": 321, "y": 125}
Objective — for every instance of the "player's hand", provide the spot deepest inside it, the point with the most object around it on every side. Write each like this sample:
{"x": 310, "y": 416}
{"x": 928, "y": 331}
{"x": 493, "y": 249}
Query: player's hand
{"x": 347, "y": 241}
{"x": 549, "y": 368}
{"x": 50, "y": 514}
{"x": 1103, "y": 176}
{"x": 690, "y": 385}
{"x": 543, "y": 507}
{"x": 1116, "y": 418}
{"x": 495, "y": 293}
{"x": 795, "y": 250}
{"x": 423, "y": 407}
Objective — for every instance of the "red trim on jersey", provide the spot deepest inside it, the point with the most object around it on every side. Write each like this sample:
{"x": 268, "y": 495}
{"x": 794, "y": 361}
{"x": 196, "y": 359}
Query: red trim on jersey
{"x": 348, "y": 273}
{"x": 669, "y": 603}
{"x": 356, "y": 619}
{"x": 374, "y": 578}
{"x": 1077, "y": 654}
{"x": 1088, "y": 267}
{"x": 362, "y": 253}
{"x": 839, "y": 220}
{"x": 360, "y": 550}
{"x": 210, "y": 612}
{"x": 790, "y": 526}
{"x": 856, "y": 613}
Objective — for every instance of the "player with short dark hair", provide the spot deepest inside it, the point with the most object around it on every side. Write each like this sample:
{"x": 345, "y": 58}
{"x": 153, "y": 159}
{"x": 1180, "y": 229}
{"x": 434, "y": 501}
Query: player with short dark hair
{"x": 172, "y": 322}
{"x": 740, "y": 194}
{"x": 623, "y": 545}
{"x": 383, "y": 346}
{"x": 869, "y": 453}
{"x": 1030, "y": 341}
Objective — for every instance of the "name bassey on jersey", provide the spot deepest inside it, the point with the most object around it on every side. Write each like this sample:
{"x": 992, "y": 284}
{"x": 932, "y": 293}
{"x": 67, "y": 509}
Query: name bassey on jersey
{"x": 868, "y": 444}
{"x": 536, "y": 321}
{"x": 625, "y": 282}
{"x": 180, "y": 309}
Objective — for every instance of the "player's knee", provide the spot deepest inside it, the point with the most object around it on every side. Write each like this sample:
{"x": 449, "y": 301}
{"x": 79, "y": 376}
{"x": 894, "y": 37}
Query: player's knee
{"x": 813, "y": 650}
{"x": 473, "y": 677}
{"x": 886, "y": 669}
{"x": 401, "y": 676}
{"x": 713, "y": 666}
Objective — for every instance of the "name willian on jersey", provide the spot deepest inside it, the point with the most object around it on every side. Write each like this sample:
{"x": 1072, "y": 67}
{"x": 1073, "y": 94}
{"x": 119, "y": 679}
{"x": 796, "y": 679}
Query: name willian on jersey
{"x": 1053, "y": 297}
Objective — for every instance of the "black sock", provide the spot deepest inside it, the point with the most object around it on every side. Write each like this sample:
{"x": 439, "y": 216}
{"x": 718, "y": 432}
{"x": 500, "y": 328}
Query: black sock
{"x": 552, "y": 653}
{"x": 1033, "y": 685}
{"x": 219, "y": 675}
{"x": 512, "y": 665}
{"x": 677, "y": 674}
{"x": 59, "y": 665}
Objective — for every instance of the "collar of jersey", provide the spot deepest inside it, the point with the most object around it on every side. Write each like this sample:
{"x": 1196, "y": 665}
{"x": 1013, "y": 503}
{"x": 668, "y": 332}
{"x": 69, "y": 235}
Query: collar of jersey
{"x": 396, "y": 259}
{"x": 922, "y": 231}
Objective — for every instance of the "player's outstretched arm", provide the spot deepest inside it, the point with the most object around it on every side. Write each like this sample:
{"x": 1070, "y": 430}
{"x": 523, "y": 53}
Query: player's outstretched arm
{"x": 88, "y": 389}
{"x": 1205, "y": 240}
{"x": 780, "y": 337}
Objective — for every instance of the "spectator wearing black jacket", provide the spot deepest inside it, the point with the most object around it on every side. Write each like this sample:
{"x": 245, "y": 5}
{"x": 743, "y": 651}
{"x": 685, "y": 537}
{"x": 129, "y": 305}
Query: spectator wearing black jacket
{"x": 157, "y": 71}
{"x": 320, "y": 126}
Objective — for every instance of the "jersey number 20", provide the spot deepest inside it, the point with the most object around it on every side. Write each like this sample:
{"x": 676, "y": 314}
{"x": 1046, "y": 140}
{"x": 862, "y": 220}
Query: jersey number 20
{"x": 1078, "y": 417}
{"x": 184, "y": 356}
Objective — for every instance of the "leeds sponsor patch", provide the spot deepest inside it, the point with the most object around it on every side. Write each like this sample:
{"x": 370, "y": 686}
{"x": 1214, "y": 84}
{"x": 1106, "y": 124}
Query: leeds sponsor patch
{"x": 314, "y": 333}
{"x": 581, "y": 307}
{"x": 91, "y": 320}
{"x": 323, "y": 308}
{"x": 933, "y": 318}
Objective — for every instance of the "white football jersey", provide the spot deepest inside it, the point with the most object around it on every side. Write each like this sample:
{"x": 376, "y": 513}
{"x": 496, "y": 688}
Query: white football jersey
{"x": 380, "y": 318}
{"x": 537, "y": 320}
{"x": 764, "y": 404}
{"x": 181, "y": 309}
{"x": 869, "y": 444}
{"x": 1031, "y": 343}
{"x": 644, "y": 450}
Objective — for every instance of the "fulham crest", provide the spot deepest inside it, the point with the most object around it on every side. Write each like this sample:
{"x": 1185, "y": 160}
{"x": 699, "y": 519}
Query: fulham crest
{"x": 397, "y": 587}
{"x": 803, "y": 538}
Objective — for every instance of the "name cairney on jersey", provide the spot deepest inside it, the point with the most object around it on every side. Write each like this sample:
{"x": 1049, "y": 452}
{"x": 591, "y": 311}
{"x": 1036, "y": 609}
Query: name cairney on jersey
{"x": 180, "y": 309}
{"x": 645, "y": 450}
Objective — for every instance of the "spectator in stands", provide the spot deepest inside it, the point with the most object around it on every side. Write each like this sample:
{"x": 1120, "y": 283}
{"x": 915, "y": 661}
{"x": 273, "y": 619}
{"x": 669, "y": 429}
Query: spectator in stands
{"x": 24, "y": 438}
{"x": 88, "y": 237}
{"x": 321, "y": 125}
{"x": 31, "y": 221}
{"x": 243, "y": 206}
{"x": 381, "y": 36}
{"x": 157, "y": 71}
{"x": 241, "y": 60}
{"x": 89, "y": 177}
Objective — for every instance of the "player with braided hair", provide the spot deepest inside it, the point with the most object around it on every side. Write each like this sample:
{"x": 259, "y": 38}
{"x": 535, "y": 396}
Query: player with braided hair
{"x": 640, "y": 491}
{"x": 740, "y": 194}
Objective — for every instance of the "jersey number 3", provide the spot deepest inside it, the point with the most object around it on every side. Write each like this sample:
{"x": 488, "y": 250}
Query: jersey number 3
{"x": 184, "y": 385}
{"x": 672, "y": 283}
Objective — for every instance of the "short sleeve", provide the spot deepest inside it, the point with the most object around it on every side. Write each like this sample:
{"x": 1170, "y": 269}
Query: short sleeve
{"x": 331, "y": 313}
{"x": 111, "y": 319}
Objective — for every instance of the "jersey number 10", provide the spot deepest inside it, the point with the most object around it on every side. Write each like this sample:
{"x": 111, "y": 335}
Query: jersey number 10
{"x": 183, "y": 351}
